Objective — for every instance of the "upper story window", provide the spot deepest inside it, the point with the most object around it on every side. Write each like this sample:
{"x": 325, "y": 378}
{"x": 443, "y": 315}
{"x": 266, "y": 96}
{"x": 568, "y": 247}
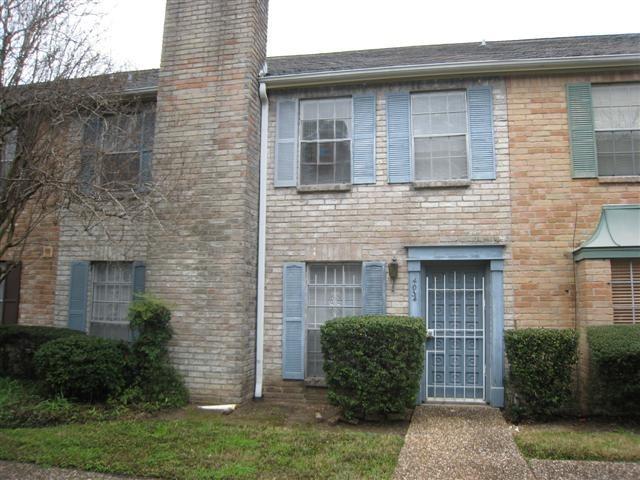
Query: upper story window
{"x": 325, "y": 141}
{"x": 118, "y": 149}
{"x": 616, "y": 117}
{"x": 439, "y": 130}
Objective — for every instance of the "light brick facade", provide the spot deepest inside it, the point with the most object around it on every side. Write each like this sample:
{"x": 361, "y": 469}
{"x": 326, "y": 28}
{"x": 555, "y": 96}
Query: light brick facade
{"x": 376, "y": 222}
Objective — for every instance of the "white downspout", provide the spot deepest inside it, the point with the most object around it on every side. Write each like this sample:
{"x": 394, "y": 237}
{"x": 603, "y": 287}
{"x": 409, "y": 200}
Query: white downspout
{"x": 262, "y": 218}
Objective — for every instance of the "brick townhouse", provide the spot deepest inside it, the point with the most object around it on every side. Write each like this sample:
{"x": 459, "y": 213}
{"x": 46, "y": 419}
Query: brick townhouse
{"x": 481, "y": 186}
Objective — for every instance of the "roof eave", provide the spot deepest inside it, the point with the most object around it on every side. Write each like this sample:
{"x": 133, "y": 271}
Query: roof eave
{"x": 449, "y": 69}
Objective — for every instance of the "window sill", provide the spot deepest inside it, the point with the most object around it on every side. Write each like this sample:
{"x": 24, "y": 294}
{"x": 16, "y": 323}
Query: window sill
{"x": 334, "y": 187}
{"x": 463, "y": 183}
{"x": 315, "y": 382}
{"x": 620, "y": 179}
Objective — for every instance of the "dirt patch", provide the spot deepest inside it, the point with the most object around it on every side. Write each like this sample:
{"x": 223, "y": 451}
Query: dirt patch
{"x": 263, "y": 412}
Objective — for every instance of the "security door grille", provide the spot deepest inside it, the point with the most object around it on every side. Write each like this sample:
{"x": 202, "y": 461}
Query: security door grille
{"x": 456, "y": 325}
{"x": 333, "y": 290}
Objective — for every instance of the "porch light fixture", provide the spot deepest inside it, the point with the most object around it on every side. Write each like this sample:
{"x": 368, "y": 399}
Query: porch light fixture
{"x": 393, "y": 272}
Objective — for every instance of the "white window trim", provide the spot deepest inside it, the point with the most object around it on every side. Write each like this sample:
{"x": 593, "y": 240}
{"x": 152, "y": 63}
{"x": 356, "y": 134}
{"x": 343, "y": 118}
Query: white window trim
{"x": 90, "y": 294}
{"x": 299, "y": 141}
{"x": 413, "y": 137}
{"x": 596, "y": 130}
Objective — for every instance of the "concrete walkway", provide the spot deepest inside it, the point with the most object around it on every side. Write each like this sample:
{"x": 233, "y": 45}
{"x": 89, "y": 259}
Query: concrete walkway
{"x": 447, "y": 442}
{"x": 27, "y": 471}
{"x": 460, "y": 442}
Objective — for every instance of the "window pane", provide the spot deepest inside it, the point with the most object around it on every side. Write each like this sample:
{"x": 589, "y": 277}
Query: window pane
{"x": 616, "y": 106}
{"x": 327, "y": 152}
{"x": 343, "y": 108}
{"x": 342, "y": 128}
{"x": 310, "y": 130}
{"x": 308, "y": 174}
{"x": 326, "y": 129}
{"x": 309, "y": 153}
{"x": 120, "y": 169}
{"x": 309, "y": 110}
{"x": 326, "y": 109}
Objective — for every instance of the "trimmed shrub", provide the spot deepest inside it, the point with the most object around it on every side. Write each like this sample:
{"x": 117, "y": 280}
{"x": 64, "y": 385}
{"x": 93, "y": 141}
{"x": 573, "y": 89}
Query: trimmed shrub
{"x": 19, "y": 343}
{"x": 153, "y": 380}
{"x": 82, "y": 368}
{"x": 614, "y": 383}
{"x": 541, "y": 371}
{"x": 373, "y": 364}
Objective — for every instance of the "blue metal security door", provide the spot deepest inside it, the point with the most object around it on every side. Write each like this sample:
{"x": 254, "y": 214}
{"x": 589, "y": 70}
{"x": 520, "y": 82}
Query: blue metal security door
{"x": 455, "y": 316}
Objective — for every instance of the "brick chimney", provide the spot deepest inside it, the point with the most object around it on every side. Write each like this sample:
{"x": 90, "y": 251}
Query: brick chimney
{"x": 203, "y": 259}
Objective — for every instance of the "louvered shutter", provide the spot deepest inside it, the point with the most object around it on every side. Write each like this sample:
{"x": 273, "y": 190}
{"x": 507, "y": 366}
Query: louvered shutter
{"x": 364, "y": 136}
{"x": 483, "y": 157}
{"x": 374, "y": 288}
{"x": 11, "y": 300}
{"x": 581, "y": 134}
{"x": 625, "y": 291}
{"x": 146, "y": 150}
{"x": 89, "y": 153}
{"x": 293, "y": 288}
{"x": 399, "y": 138}
{"x": 286, "y": 140}
{"x": 139, "y": 273}
{"x": 78, "y": 296}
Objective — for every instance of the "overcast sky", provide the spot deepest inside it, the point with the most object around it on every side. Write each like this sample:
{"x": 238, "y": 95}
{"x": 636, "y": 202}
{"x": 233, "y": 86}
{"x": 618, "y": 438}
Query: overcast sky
{"x": 133, "y": 28}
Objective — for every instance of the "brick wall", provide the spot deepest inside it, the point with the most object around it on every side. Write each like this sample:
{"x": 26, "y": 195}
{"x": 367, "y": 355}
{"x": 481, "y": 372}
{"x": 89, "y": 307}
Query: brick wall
{"x": 38, "y": 275}
{"x": 207, "y": 153}
{"x": 551, "y": 212}
{"x": 376, "y": 222}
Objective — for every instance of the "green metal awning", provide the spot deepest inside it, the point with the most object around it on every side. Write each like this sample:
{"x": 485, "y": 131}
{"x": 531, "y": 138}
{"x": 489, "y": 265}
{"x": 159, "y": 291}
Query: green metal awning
{"x": 617, "y": 234}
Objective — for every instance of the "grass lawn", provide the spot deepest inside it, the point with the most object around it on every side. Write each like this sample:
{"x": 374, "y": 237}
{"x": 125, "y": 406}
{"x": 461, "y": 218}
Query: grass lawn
{"x": 591, "y": 440}
{"x": 257, "y": 441}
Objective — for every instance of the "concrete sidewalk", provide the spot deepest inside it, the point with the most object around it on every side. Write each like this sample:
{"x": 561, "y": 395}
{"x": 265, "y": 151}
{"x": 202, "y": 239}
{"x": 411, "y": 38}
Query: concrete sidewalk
{"x": 460, "y": 442}
{"x": 27, "y": 471}
{"x": 447, "y": 442}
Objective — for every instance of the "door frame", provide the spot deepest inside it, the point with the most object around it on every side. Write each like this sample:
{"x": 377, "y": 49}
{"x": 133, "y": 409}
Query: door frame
{"x": 493, "y": 256}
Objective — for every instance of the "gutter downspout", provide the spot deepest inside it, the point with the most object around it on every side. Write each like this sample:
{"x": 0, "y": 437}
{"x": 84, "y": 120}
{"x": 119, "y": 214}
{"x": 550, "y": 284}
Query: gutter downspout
{"x": 262, "y": 218}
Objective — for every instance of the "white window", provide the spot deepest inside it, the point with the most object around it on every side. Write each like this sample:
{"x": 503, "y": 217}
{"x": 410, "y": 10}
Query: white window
{"x": 625, "y": 291}
{"x": 439, "y": 126}
{"x": 616, "y": 115}
{"x": 111, "y": 294}
{"x": 325, "y": 141}
{"x": 333, "y": 290}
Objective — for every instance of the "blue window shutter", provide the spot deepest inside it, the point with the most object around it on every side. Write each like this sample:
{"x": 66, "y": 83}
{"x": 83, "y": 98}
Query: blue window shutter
{"x": 374, "y": 288}
{"x": 78, "y": 296}
{"x": 364, "y": 139}
{"x": 286, "y": 174}
{"x": 139, "y": 273}
{"x": 146, "y": 147}
{"x": 581, "y": 134}
{"x": 483, "y": 155}
{"x": 293, "y": 288}
{"x": 399, "y": 138}
{"x": 89, "y": 153}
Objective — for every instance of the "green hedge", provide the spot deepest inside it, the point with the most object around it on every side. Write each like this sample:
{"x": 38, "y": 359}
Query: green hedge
{"x": 614, "y": 384}
{"x": 542, "y": 364}
{"x": 19, "y": 343}
{"x": 83, "y": 368}
{"x": 373, "y": 364}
